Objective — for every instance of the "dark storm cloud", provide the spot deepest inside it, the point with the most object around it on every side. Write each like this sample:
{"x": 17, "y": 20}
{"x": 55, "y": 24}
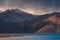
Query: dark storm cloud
{"x": 45, "y": 5}
{"x": 33, "y": 3}
{"x": 14, "y": 2}
{"x": 2, "y": 2}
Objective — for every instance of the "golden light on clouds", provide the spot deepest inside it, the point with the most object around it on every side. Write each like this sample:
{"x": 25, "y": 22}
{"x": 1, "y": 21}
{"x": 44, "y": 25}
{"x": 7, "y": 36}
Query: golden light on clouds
{"x": 29, "y": 10}
{"x": 34, "y": 12}
{"x": 2, "y": 8}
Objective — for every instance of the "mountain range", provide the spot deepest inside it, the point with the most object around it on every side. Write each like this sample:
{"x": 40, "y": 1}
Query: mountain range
{"x": 17, "y": 21}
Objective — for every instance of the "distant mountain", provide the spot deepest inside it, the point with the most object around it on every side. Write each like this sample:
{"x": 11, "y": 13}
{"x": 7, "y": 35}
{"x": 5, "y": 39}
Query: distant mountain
{"x": 13, "y": 21}
{"x": 16, "y": 15}
{"x": 49, "y": 23}
{"x": 0, "y": 11}
{"x": 17, "y": 21}
{"x": 53, "y": 26}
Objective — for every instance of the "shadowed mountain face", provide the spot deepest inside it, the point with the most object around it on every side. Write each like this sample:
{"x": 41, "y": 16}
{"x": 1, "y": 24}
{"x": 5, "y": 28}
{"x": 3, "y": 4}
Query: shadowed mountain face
{"x": 16, "y": 15}
{"x": 0, "y": 11}
{"x": 17, "y": 21}
{"x": 14, "y": 21}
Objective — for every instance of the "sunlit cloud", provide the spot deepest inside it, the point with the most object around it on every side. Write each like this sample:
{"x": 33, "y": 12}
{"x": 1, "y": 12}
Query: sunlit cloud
{"x": 36, "y": 7}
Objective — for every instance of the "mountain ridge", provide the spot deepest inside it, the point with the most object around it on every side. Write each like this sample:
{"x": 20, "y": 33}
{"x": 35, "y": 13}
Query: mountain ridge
{"x": 15, "y": 21}
{"x": 17, "y": 14}
{"x": 48, "y": 19}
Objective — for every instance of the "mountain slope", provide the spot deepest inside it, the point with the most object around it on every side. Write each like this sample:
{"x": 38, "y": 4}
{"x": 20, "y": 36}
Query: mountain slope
{"x": 13, "y": 21}
{"x": 54, "y": 26}
{"x": 16, "y": 15}
{"x": 49, "y": 24}
{"x": 0, "y": 11}
{"x": 50, "y": 27}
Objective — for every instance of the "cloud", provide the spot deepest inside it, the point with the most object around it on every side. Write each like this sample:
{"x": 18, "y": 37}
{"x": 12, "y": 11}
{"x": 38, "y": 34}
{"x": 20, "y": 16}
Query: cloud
{"x": 32, "y": 6}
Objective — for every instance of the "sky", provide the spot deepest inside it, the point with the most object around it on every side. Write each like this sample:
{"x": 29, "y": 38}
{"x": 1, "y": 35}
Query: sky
{"x": 36, "y": 7}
